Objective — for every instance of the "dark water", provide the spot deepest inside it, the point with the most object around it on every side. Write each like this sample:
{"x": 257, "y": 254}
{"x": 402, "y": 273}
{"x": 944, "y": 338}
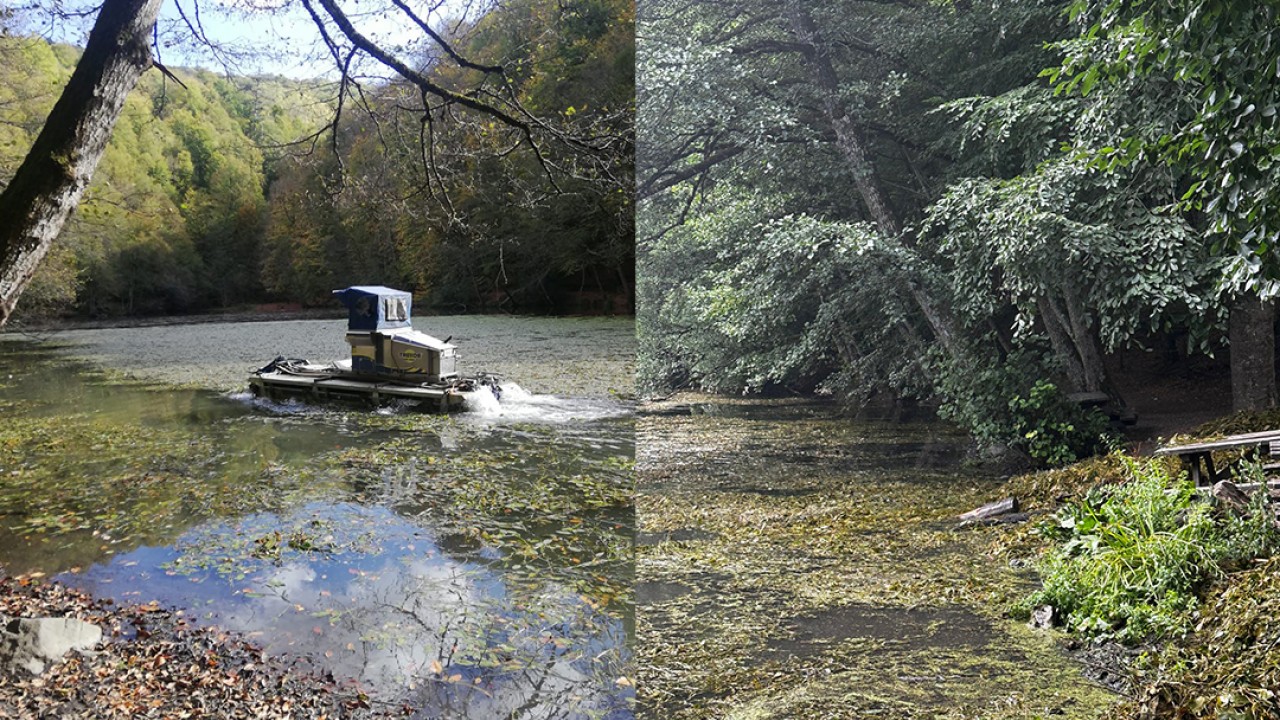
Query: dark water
{"x": 475, "y": 565}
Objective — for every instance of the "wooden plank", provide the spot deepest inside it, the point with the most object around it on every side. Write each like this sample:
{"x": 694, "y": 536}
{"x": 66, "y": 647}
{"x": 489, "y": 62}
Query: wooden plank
{"x": 1203, "y": 447}
{"x": 340, "y": 384}
{"x": 1248, "y": 487}
{"x": 1228, "y": 443}
{"x": 1261, "y": 434}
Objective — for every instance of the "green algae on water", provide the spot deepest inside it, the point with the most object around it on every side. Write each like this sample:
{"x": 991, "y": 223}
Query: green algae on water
{"x": 794, "y": 563}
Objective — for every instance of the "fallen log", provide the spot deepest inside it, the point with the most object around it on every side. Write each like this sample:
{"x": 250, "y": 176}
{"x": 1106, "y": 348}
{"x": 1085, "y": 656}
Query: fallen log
{"x": 990, "y": 510}
{"x": 1006, "y": 519}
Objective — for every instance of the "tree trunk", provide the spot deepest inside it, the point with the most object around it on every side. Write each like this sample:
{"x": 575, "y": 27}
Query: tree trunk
{"x": 1252, "y": 333}
{"x": 56, "y": 171}
{"x": 848, "y": 135}
{"x": 1055, "y": 326}
{"x": 1088, "y": 346}
{"x": 853, "y": 147}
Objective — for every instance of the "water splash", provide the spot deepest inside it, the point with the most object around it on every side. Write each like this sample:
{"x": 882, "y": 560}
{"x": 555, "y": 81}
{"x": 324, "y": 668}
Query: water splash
{"x": 518, "y": 405}
{"x": 291, "y": 406}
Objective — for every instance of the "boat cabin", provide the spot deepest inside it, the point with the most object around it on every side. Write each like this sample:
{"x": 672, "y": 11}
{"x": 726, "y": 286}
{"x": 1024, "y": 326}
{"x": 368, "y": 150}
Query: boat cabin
{"x": 383, "y": 341}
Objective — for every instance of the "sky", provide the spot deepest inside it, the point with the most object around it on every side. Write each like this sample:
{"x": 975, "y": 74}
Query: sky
{"x": 250, "y": 36}
{"x": 278, "y": 42}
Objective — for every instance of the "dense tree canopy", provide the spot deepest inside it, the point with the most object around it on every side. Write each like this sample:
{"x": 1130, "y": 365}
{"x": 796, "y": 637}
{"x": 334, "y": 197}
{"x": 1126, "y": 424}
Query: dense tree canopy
{"x": 926, "y": 200}
{"x": 508, "y": 233}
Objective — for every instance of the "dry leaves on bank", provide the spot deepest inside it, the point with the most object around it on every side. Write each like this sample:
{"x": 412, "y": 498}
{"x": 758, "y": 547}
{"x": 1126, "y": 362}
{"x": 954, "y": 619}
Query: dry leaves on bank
{"x": 155, "y": 664}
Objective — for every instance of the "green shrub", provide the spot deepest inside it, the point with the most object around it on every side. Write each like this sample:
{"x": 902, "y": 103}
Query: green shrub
{"x": 996, "y": 402}
{"x": 1130, "y": 559}
{"x": 1055, "y": 431}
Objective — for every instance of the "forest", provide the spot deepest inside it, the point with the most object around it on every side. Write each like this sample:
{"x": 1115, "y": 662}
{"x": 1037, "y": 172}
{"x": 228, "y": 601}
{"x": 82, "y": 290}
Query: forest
{"x": 980, "y": 205}
{"x": 224, "y": 192}
{"x": 1029, "y": 220}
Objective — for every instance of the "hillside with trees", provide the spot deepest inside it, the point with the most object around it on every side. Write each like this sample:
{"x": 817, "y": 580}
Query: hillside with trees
{"x": 223, "y": 192}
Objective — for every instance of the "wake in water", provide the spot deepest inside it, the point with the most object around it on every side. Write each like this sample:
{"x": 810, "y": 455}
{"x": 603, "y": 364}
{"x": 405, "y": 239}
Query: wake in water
{"x": 520, "y": 405}
{"x": 290, "y": 406}
{"x": 516, "y": 406}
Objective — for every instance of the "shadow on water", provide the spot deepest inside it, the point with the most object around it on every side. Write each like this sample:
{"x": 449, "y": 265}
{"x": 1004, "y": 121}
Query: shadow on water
{"x": 773, "y": 448}
{"x": 654, "y": 593}
{"x": 475, "y": 566}
{"x": 907, "y": 629}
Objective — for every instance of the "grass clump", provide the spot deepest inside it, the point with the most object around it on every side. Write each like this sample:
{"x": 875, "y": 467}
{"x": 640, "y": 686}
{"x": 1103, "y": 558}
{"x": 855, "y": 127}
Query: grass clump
{"x": 1130, "y": 559}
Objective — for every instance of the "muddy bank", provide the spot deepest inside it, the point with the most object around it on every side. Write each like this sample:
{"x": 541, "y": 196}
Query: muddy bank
{"x": 794, "y": 563}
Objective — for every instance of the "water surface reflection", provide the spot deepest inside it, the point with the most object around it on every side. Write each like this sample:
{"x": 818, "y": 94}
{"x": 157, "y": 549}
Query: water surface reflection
{"x": 477, "y": 565}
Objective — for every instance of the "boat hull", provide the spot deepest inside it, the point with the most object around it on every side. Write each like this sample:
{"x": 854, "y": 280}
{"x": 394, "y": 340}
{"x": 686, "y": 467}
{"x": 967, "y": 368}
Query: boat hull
{"x": 338, "y": 387}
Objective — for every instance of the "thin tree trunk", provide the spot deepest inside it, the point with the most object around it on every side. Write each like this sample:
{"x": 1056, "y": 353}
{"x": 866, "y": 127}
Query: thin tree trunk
{"x": 1087, "y": 345}
{"x": 1252, "y": 333}
{"x": 1004, "y": 343}
{"x": 853, "y": 147}
{"x": 848, "y": 135}
{"x": 1055, "y": 325}
{"x": 49, "y": 183}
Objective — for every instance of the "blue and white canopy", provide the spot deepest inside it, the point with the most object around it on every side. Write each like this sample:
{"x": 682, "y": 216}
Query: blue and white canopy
{"x": 375, "y": 307}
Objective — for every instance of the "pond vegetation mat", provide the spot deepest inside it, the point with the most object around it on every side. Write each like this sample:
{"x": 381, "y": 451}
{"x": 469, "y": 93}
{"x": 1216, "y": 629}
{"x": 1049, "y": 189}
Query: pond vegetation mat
{"x": 796, "y": 563}
{"x": 464, "y": 566}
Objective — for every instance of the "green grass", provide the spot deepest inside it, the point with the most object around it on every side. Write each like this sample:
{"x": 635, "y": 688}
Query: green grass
{"x": 1131, "y": 560}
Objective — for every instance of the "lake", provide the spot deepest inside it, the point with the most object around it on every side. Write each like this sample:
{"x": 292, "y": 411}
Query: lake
{"x": 796, "y": 561}
{"x": 473, "y": 565}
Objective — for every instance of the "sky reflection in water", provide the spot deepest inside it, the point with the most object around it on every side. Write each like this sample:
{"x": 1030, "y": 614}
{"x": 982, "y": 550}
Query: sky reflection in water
{"x": 253, "y": 518}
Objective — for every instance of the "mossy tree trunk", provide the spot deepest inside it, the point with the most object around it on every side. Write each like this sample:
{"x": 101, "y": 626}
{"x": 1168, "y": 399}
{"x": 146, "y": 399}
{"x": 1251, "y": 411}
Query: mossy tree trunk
{"x": 53, "y": 176}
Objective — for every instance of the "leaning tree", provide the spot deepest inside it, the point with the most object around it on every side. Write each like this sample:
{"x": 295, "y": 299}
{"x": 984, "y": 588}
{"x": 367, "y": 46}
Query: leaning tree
{"x": 50, "y": 181}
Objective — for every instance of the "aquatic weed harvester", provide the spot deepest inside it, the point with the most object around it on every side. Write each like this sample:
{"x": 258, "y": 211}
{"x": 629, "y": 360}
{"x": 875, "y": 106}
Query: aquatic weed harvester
{"x": 390, "y": 361}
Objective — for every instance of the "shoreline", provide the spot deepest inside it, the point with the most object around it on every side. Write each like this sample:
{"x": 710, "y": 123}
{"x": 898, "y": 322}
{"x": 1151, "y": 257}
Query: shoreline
{"x": 239, "y": 316}
{"x": 589, "y": 355}
{"x": 153, "y": 662}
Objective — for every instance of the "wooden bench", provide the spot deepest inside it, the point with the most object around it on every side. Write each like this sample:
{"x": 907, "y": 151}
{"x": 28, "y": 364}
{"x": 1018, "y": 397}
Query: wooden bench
{"x": 1196, "y": 455}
